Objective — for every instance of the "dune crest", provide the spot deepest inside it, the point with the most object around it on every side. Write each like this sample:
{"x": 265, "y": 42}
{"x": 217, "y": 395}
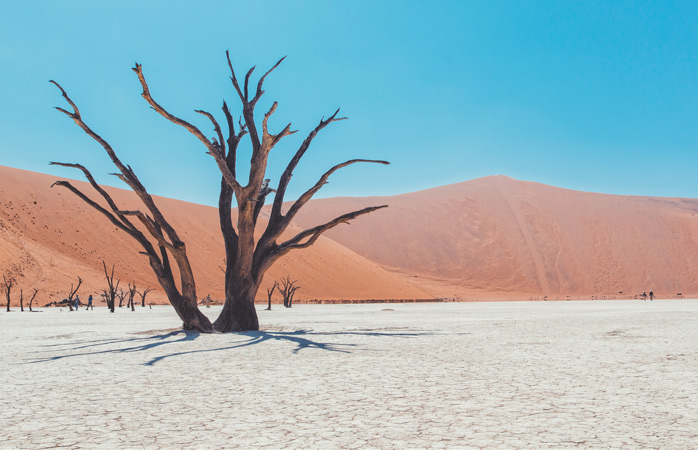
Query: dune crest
{"x": 503, "y": 238}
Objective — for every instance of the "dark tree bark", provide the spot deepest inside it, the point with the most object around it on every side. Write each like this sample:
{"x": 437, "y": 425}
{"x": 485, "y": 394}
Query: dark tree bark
{"x": 21, "y": 300}
{"x": 72, "y": 292}
{"x": 36, "y": 291}
{"x": 131, "y": 294}
{"x": 288, "y": 288}
{"x": 122, "y": 296}
{"x": 270, "y": 291}
{"x": 7, "y": 284}
{"x": 110, "y": 293}
{"x": 290, "y": 297}
{"x": 247, "y": 258}
{"x": 143, "y": 294}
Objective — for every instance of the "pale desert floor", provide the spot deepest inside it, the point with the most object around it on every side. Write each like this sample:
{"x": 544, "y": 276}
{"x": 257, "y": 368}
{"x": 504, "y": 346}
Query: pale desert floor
{"x": 604, "y": 374}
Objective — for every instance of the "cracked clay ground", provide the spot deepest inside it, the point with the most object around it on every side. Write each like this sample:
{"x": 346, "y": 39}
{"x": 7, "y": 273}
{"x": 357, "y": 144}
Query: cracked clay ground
{"x": 611, "y": 374}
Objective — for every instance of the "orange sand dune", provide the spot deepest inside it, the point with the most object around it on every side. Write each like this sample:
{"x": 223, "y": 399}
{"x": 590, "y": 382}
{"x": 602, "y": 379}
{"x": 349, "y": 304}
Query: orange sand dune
{"x": 55, "y": 237}
{"x": 493, "y": 237}
{"x": 499, "y": 237}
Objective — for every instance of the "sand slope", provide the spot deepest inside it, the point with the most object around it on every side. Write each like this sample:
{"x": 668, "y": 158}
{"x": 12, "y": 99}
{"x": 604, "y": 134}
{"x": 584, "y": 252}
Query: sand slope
{"x": 499, "y": 237}
{"x": 55, "y": 237}
{"x": 493, "y": 237}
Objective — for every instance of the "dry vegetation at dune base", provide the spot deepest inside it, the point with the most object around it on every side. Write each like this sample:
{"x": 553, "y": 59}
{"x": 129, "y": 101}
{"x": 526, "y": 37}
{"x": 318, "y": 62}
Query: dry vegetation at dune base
{"x": 556, "y": 375}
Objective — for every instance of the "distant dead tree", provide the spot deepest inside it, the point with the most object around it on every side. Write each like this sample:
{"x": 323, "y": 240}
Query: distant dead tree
{"x": 21, "y": 300}
{"x": 36, "y": 291}
{"x": 72, "y": 292}
{"x": 109, "y": 294}
{"x": 288, "y": 288}
{"x": 143, "y": 294}
{"x": 248, "y": 256}
{"x": 270, "y": 291}
{"x": 131, "y": 293}
{"x": 122, "y": 296}
{"x": 8, "y": 281}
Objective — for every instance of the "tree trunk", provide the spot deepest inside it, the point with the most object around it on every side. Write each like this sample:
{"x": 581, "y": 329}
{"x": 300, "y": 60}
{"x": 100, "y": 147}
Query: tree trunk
{"x": 239, "y": 312}
{"x": 21, "y": 300}
{"x": 194, "y": 320}
{"x": 188, "y": 311}
{"x": 36, "y": 291}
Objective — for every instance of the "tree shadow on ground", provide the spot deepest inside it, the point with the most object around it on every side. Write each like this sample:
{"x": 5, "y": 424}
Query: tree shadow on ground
{"x": 302, "y": 339}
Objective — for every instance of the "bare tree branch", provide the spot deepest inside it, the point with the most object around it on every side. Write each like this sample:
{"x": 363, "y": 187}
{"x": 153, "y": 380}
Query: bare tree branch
{"x": 98, "y": 188}
{"x": 260, "y": 91}
{"x": 233, "y": 78}
{"x": 151, "y": 226}
{"x": 213, "y": 150}
{"x": 307, "y": 195}
{"x": 217, "y": 129}
{"x": 247, "y": 81}
{"x": 288, "y": 173}
{"x": 127, "y": 174}
{"x": 312, "y": 234}
{"x": 89, "y": 201}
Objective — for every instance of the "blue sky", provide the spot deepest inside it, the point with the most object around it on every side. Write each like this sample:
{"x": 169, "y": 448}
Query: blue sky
{"x": 596, "y": 95}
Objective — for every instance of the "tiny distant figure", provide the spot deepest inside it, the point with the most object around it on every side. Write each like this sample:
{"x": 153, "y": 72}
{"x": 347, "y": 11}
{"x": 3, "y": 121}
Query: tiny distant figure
{"x": 89, "y": 303}
{"x": 77, "y": 302}
{"x": 644, "y": 295}
{"x": 208, "y": 300}
{"x": 651, "y": 295}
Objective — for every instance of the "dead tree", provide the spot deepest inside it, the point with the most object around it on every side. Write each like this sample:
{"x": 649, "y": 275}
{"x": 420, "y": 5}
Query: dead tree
{"x": 270, "y": 291}
{"x": 288, "y": 288}
{"x": 21, "y": 300}
{"x": 122, "y": 296}
{"x": 143, "y": 294}
{"x": 72, "y": 293}
{"x": 247, "y": 258}
{"x": 110, "y": 293}
{"x": 8, "y": 281}
{"x": 36, "y": 291}
{"x": 131, "y": 294}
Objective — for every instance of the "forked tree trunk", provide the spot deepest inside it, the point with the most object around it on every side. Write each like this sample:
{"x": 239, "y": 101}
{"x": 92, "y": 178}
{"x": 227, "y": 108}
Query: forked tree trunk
{"x": 143, "y": 294}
